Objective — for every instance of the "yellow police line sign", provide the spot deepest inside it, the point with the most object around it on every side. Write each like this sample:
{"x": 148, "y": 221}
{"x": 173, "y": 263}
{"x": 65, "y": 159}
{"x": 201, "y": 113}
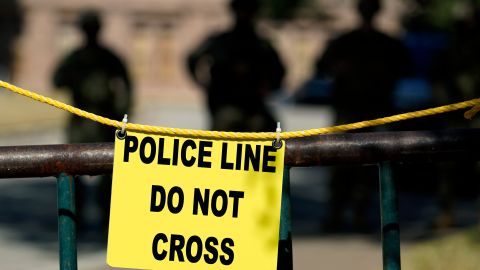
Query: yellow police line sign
{"x": 180, "y": 203}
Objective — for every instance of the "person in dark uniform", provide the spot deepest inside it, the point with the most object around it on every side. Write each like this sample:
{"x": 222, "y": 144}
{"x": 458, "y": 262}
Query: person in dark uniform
{"x": 242, "y": 69}
{"x": 365, "y": 65}
{"x": 99, "y": 83}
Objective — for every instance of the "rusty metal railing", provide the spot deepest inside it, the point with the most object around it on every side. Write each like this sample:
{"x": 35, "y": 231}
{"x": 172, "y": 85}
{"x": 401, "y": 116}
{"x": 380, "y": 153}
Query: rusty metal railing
{"x": 383, "y": 149}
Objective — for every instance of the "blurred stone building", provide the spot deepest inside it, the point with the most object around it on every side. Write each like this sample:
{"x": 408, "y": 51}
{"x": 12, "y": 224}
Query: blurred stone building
{"x": 155, "y": 36}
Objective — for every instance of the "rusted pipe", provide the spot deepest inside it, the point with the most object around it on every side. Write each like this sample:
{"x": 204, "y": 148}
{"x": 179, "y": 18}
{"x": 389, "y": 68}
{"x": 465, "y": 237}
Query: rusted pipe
{"x": 51, "y": 160}
{"x": 373, "y": 148}
{"x": 333, "y": 149}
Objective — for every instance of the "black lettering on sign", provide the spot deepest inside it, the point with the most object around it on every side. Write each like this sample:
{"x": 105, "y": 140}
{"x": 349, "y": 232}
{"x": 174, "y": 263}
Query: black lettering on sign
{"x": 238, "y": 162}
{"x": 185, "y": 160}
{"x": 219, "y": 212}
{"x": 248, "y": 155}
{"x": 159, "y": 198}
{"x": 194, "y": 240}
{"x": 267, "y": 150}
{"x": 186, "y": 152}
{"x": 202, "y": 201}
{"x": 236, "y": 195}
{"x": 176, "y": 246}
{"x": 193, "y": 249}
{"x": 219, "y": 203}
{"x": 226, "y": 245}
{"x": 175, "y": 209}
{"x": 210, "y": 246}
{"x": 175, "y": 152}
{"x": 161, "y": 149}
{"x": 202, "y": 153}
{"x": 156, "y": 239}
{"x": 225, "y": 164}
{"x": 131, "y": 145}
{"x": 147, "y": 159}
{"x": 157, "y": 190}
{"x": 253, "y": 158}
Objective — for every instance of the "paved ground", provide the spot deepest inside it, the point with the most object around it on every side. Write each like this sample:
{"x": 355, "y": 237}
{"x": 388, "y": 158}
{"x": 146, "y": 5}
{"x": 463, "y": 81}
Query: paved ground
{"x": 28, "y": 225}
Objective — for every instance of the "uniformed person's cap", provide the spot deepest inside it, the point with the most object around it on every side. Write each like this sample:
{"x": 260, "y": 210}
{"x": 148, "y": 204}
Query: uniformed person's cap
{"x": 368, "y": 8}
{"x": 89, "y": 21}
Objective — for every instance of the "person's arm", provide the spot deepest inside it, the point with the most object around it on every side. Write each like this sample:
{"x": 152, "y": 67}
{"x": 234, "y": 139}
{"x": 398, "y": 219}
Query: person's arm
{"x": 122, "y": 85}
{"x": 128, "y": 85}
{"x": 324, "y": 64}
{"x": 197, "y": 63}
{"x": 64, "y": 74}
{"x": 276, "y": 70}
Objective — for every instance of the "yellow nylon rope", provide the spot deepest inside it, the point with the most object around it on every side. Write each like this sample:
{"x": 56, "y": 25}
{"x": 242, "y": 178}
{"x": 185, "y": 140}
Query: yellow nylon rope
{"x": 245, "y": 135}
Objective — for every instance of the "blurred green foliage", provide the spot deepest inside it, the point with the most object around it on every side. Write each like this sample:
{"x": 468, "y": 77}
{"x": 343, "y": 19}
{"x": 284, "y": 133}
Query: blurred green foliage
{"x": 456, "y": 251}
{"x": 443, "y": 13}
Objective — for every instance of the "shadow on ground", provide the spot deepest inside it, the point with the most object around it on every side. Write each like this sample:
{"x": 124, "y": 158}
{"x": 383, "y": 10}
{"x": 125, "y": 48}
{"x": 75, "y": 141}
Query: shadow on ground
{"x": 418, "y": 206}
{"x": 28, "y": 213}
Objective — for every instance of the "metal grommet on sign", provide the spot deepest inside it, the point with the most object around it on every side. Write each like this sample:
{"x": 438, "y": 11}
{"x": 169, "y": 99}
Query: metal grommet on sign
{"x": 122, "y": 133}
{"x": 277, "y": 143}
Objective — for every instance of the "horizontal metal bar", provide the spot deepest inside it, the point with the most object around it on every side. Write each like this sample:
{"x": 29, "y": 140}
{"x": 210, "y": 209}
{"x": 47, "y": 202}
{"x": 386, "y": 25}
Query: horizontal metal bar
{"x": 332, "y": 149}
{"x": 373, "y": 148}
{"x": 51, "y": 160}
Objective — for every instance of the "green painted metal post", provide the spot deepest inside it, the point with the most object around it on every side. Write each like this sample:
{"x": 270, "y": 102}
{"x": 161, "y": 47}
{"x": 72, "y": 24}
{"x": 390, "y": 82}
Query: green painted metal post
{"x": 285, "y": 260}
{"x": 389, "y": 215}
{"x": 67, "y": 233}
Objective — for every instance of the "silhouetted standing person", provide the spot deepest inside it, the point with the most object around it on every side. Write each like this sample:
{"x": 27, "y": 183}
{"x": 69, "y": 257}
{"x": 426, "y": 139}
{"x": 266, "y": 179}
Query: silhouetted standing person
{"x": 365, "y": 65}
{"x": 100, "y": 84}
{"x": 242, "y": 70}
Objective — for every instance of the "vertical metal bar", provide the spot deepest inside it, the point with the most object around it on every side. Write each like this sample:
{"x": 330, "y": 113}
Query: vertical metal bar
{"x": 389, "y": 216}
{"x": 285, "y": 260}
{"x": 67, "y": 222}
